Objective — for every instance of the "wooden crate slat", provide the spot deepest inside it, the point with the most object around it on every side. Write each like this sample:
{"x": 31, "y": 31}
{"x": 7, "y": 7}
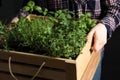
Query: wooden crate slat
{"x": 70, "y": 72}
{"x": 31, "y": 70}
{"x": 35, "y": 59}
{"x": 91, "y": 67}
{"x": 7, "y": 76}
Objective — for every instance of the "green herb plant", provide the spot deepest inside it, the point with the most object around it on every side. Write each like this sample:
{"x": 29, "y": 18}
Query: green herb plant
{"x": 31, "y": 7}
{"x": 58, "y": 35}
{"x": 3, "y": 35}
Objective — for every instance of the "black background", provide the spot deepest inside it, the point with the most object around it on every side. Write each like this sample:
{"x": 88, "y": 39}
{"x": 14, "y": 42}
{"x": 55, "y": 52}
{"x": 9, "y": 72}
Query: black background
{"x": 9, "y": 9}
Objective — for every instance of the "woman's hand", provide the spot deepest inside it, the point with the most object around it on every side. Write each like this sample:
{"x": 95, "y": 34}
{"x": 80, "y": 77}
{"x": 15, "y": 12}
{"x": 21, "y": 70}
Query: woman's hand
{"x": 99, "y": 36}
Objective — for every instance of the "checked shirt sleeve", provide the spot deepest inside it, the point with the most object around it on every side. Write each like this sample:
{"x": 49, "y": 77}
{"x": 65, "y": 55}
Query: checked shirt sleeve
{"x": 112, "y": 18}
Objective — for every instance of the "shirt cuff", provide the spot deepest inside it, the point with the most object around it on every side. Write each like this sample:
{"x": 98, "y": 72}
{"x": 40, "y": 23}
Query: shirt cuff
{"x": 108, "y": 27}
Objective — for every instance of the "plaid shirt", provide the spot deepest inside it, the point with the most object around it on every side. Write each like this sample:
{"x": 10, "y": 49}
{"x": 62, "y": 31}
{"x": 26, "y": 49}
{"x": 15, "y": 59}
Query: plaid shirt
{"x": 107, "y": 11}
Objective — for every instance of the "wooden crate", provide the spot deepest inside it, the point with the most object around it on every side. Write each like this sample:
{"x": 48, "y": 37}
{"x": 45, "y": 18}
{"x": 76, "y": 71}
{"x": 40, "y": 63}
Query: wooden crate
{"x": 24, "y": 66}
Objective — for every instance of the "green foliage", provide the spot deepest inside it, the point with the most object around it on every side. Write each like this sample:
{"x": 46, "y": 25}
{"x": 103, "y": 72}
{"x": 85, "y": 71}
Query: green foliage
{"x": 3, "y": 35}
{"x": 31, "y": 6}
{"x": 58, "y": 34}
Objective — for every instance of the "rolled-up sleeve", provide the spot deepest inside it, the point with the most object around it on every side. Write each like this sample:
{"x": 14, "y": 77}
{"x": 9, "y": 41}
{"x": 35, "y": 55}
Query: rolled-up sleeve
{"x": 112, "y": 18}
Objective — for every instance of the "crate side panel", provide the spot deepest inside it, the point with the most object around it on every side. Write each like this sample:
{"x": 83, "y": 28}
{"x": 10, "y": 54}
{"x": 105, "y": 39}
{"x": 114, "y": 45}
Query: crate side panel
{"x": 83, "y": 59}
{"x": 34, "y": 59}
{"x": 30, "y": 70}
{"x": 6, "y": 76}
{"x": 91, "y": 67}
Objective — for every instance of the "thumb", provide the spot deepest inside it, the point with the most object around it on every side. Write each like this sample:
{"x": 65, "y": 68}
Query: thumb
{"x": 90, "y": 35}
{"x": 90, "y": 39}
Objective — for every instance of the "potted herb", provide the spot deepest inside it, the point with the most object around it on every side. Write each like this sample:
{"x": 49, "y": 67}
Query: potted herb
{"x": 52, "y": 46}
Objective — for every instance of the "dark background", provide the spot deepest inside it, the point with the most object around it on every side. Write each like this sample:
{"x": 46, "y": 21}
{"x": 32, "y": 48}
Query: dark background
{"x": 111, "y": 59}
{"x": 9, "y": 9}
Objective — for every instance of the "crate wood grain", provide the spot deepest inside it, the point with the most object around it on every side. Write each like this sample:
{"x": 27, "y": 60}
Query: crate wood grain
{"x": 25, "y": 65}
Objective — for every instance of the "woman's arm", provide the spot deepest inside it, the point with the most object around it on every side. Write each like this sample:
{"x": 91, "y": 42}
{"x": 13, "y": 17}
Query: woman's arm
{"x": 107, "y": 25}
{"x": 112, "y": 18}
